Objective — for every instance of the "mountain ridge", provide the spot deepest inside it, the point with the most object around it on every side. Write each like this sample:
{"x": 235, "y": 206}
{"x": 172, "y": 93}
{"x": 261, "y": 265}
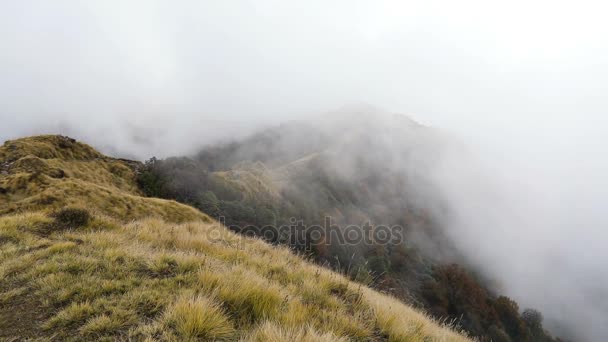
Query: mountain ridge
{"x": 378, "y": 172}
{"x": 85, "y": 257}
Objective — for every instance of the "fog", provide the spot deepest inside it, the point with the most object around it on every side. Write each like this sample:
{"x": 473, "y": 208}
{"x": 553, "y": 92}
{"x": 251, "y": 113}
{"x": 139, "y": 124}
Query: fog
{"x": 521, "y": 84}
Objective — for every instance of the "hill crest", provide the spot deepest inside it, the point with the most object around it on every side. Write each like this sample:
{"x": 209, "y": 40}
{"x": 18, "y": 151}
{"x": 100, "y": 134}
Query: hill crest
{"x": 51, "y": 171}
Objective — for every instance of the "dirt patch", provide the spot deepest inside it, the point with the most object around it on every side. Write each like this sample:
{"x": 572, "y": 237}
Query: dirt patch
{"x": 22, "y": 317}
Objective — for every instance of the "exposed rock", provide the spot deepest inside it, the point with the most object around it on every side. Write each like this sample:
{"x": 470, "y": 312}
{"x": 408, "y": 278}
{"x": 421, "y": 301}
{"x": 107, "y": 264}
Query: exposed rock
{"x": 65, "y": 142}
{"x": 57, "y": 173}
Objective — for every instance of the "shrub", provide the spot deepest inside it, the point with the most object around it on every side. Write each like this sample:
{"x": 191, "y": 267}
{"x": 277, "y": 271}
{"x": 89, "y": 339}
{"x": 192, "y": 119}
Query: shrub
{"x": 534, "y": 321}
{"x": 498, "y": 335}
{"x": 379, "y": 265}
{"x": 508, "y": 311}
{"x": 150, "y": 180}
{"x": 71, "y": 218}
{"x": 457, "y": 294}
{"x": 209, "y": 204}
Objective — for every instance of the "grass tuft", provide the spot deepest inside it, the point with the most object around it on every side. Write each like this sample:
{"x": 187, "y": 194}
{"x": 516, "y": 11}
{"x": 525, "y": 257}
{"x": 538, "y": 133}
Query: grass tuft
{"x": 73, "y": 314}
{"x": 199, "y": 318}
{"x": 269, "y": 331}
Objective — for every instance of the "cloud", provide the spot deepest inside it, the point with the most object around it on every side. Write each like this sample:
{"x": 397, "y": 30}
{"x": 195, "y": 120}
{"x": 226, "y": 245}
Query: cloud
{"x": 523, "y": 84}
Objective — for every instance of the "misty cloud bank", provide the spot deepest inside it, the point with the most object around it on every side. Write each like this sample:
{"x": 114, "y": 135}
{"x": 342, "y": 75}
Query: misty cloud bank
{"x": 521, "y": 85}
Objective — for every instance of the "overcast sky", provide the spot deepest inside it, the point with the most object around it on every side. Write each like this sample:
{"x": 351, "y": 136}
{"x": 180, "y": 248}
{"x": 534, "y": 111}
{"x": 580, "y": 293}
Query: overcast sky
{"x": 145, "y": 68}
{"x": 523, "y": 82}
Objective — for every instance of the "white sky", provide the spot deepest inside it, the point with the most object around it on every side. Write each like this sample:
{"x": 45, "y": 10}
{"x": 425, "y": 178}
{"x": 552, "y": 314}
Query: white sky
{"x": 517, "y": 65}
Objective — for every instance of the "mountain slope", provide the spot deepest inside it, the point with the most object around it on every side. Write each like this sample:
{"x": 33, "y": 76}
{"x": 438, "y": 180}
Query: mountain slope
{"x": 360, "y": 173}
{"x": 84, "y": 256}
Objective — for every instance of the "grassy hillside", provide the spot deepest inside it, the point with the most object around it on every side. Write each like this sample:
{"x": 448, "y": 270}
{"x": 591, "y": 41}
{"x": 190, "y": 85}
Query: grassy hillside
{"x": 50, "y": 172}
{"x": 84, "y": 257}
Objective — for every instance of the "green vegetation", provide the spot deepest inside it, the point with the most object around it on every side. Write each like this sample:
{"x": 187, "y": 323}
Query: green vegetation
{"x": 101, "y": 262}
{"x": 72, "y": 217}
{"x": 453, "y": 292}
{"x": 256, "y": 182}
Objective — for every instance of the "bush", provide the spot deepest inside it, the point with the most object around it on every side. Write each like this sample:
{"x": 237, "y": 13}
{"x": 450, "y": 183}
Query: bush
{"x": 456, "y": 293}
{"x": 150, "y": 180}
{"x": 209, "y": 204}
{"x": 379, "y": 265}
{"x": 534, "y": 321}
{"x": 72, "y": 218}
{"x": 508, "y": 311}
{"x": 498, "y": 335}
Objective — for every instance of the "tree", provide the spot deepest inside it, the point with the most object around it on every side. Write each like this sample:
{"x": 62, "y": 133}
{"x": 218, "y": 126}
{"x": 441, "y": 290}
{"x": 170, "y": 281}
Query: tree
{"x": 150, "y": 181}
{"x": 534, "y": 321}
{"x": 508, "y": 311}
{"x": 209, "y": 204}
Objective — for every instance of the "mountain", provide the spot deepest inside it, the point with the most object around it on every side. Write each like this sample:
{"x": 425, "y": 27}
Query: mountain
{"x": 85, "y": 256}
{"x": 365, "y": 173}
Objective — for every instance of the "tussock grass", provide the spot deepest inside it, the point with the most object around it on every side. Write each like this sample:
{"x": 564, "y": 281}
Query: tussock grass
{"x": 198, "y": 317}
{"x": 270, "y": 332}
{"x": 51, "y": 172}
{"x": 160, "y": 280}
{"x": 166, "y": 272}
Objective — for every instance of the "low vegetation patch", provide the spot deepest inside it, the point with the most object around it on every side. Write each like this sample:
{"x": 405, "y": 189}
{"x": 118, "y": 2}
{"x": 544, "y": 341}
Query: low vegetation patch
{"x": 71, "y": 218}
{"x": 198, "y": 317}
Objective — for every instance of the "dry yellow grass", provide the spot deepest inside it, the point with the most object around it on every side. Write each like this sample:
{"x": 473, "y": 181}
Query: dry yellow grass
{"x": 50, "y": 172}
{"x": 169, "y": 274}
